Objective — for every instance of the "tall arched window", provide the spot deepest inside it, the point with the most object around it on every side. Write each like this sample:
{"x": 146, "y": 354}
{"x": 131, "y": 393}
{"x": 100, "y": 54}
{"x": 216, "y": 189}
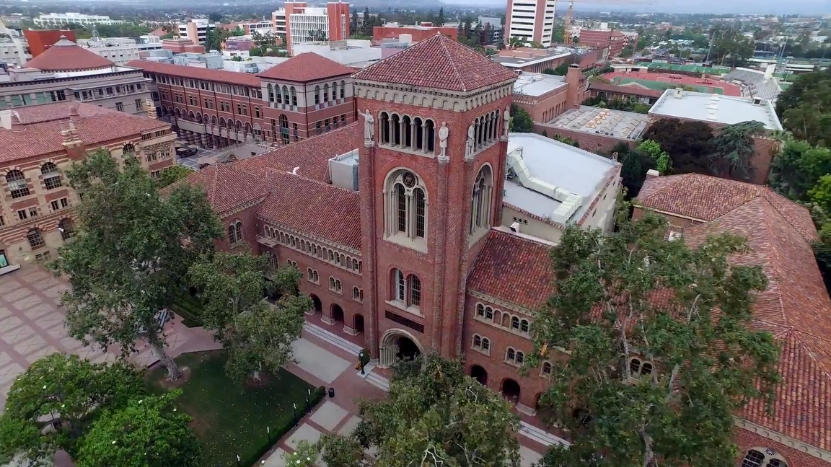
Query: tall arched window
{"x": 384, "y": 125}
{"x": 293, "y": 96}
{"x": 17, "y": 184}
{"x": 480, "y": 209}
{"x": 405, "y": 290}
{"x": 66, "y": 229}
{"x": 335, "y": 90}
{"x": 317, "y": 94}
{"x": 763, "y": 457}
{"x": 284, "y": 129}
{"x": 130, "y": 150}
{"x": 235, "y": 232}
{"x": 342, "y": 88}
{"x": 51, "y": 176}
{"x": 325, "y": 93}
{"x": 406, "y": 206}
{"x": 35, "y": 239}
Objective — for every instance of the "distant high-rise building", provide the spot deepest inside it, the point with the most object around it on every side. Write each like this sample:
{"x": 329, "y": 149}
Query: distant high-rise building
{"x": 196, "y": 30}
{"x": 300, "y": 23}
{"x": 531, "y": 20}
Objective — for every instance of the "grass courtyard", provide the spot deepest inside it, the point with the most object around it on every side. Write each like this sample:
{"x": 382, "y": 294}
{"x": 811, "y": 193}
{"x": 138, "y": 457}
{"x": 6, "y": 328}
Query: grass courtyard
{"x": 231, "y": 419}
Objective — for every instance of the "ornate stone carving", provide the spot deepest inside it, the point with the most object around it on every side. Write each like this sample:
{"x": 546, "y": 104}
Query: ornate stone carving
{"x": 443, "y": 133}
{"x": 369, "y": 126}
{"x": 470, "y": 143}
{"x": 507, "y": 120}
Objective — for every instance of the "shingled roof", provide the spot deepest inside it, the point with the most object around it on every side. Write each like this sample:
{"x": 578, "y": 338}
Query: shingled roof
{"x": 36, "y": 130}
{"x": 513, "y": 269}
{"x": 306, "y": 67}
{"x": 65, "y": 55}
{"x": 704, "y": 198}
{"x": 183, "y": 71}
{"x": 438, "y": 62}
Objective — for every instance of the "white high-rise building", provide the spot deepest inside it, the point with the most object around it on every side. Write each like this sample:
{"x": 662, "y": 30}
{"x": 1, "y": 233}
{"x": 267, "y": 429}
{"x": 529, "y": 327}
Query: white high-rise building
{"x": 61, "y": 19}
{"x": 531, "y": 20}
{"x": 301, "y": 24}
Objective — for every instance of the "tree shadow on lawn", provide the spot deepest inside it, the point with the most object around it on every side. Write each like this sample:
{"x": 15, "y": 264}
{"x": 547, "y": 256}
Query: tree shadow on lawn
{"x": 230, "y": 418}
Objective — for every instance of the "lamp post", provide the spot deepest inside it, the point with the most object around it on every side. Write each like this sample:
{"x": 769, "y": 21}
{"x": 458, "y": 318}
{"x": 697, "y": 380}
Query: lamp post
{"x": 361, "y": 357}
{"x": 294, "y": 410}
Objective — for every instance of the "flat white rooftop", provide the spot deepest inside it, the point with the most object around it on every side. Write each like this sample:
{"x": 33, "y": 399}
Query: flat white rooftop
{"x": 537, "y": 84}
{"x": 595, "y": 120}
{"x": 562, "y": 165}
{"x": 715, "y": 108}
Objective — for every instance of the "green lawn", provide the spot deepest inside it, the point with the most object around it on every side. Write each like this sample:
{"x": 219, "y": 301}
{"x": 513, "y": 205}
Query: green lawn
{"x": 229, "y": 419}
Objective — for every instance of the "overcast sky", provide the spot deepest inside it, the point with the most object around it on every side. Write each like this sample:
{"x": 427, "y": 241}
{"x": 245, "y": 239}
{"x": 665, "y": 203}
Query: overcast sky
{"x": 685, "y": 6}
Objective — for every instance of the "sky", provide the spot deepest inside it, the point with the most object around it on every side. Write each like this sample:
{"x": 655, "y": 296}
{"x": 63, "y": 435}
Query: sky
{"x": 685, "y": 6}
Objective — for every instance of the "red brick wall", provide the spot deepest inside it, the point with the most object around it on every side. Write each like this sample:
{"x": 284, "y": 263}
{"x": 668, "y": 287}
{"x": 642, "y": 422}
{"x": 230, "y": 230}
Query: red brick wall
{"x": 419, "y": 34}
{"x": 546, "y": 107}
{"x": 588, "y": 141}
{"x": 793, "y": 456}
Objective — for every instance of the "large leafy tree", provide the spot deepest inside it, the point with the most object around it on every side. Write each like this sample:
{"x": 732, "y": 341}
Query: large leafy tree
{"x": 131, "y": 253}
{"x": 257, "y": 335}
{"x": 521, "y": 121}
{"x": 805, "y": 108}
{"x": 149, "y": 432}
{"x": 798, "y": 168}
{"x": 688, "y": 143}
{"x": 733, "y": 149}
{"x": 435, "y": 416}
{"x": 62, "y": 396}
{"x": 684, "y": 314}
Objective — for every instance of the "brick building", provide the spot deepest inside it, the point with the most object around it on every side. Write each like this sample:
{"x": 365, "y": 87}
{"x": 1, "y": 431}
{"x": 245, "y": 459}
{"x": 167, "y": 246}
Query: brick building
{"x": 40, "y": 40}
{"x": 426, "y": 227}
{"x": 303, "y": 96}
{"x": 37, "y": 144}
{"x": 795, "y": 308}
{"x": 597, "y": 129}
{"x": 611, "y": 92}
{"x": 545, "y": 97}
{"x": 609, "y": 39}
{"x": 417, "y": 32}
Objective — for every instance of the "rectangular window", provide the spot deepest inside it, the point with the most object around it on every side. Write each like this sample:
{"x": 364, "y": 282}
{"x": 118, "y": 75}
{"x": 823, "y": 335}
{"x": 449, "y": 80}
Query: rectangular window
{"x": 139, "y": 104}
{"x": 56, "y": 205}
{"x": 154, "y": 174}
{"x": 415, "y": 292}
{"x": 22, "y": 215}
{"x": 257, "y": 112}
{"x": 64, "y": 202}
{"x": 119, "y": 106}
{"x": 419, "y": 213}
{"x": 33, "y": 212}
{"x": 2, "y": 223}
{"x": 52, "y": 181}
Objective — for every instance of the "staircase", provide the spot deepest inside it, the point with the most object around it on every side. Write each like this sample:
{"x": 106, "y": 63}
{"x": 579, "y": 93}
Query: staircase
{"x": 332, "y": 338}
{"x": 539, "y": 435}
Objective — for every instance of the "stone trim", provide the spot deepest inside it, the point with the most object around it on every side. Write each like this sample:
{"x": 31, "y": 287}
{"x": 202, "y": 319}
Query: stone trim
{"x": 784, "y": 439}
{"x": 240, "y": 207}
{"x": 308, "y": 236}
{"x": 432, "y": 98}
{"x": 556, "y": 225}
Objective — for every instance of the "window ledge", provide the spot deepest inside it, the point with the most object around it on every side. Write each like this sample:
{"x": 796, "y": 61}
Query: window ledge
{"x": 413, "y": 310}
{"x": 409, "y": 150}
{"x": 400, "y": 239}
{"x": 512, "y": 363}
{"x": 483, "y": 352}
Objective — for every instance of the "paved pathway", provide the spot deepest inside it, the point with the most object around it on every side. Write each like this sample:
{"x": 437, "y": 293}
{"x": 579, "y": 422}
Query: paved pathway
{"x": 32, "y": 327}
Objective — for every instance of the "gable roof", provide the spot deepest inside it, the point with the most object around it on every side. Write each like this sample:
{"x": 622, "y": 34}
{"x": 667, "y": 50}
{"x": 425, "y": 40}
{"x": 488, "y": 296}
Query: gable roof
{"x": 795, "y": 308}
{"x": 513, "y": 269}
{"x": 705, "y": 198}
{"x": 65, "y": 55}
{"x": 192, "y": 72}
{"x": 37, "y": 129}
{"x": 438, "y": 62}
{"x": 306, "y": 67}
{"x": 635, "y": 90}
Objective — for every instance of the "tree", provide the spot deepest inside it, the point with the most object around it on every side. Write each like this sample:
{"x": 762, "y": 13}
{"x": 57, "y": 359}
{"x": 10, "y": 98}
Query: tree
{"x": 440, "y": 17}
{"x": 173, "y": 174}
{"x": 798, "y": 168}
{"x": 72, "y": 393}
{"x": 515, "y": 42}
{"x": 730, "y": 46}
{"x": 263, "y": 41}
{"x": 640, "y": 317}
{"x": 688, "y": 143}
{"x": 805, "y": 108}
{"x": 131, "y": 253}
{"x": 257, "y": 336}
{"x": 733, "y": 149}
{"x": 215, "y": 38}
{"x": 634, "y": 165}
{"x": 435, "y": 415}
{"x": 149, "y": 432}
{"x": 521, "y": 121}
{"x": 561, "y": 70}
{"x": 237, "y": 32}
{"x": 821, "y": 193}
{"x": 627, "y": 51}
{"x": 215, "y": 17}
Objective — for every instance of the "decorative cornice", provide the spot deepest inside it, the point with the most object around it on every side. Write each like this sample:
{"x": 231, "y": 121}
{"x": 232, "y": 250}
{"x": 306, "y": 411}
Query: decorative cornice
{"x": 501, "y": 303}
{"x": 240, "y": 207}
{"x": 308, "y": 236}
{"x": 784, "y": 439}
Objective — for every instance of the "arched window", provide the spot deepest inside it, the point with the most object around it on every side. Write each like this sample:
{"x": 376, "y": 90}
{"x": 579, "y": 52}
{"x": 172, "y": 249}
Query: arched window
{"x": 477, "y": 341}
{"x": 271, "y": 94}
{"x": 488, "y": 312}
{"x": 342, "y": 88}
{"x": 486, "y": 344}
{"x": 510, "y": 354}
{"x": 515, "y": 323}
{"x": 646, "y": 369}
{"x": 524, "y": 326}
{"x": 480, "y": 310}
{"x": 430, "y": 134}
{"x": 130, "y": 150}
{"x": 309, "y": 275}
{"x": 66, "y": 229}
{"x": 293, "y": 96}
{"x": 399, "y": 286}
{"x": 235, "y": 232}
{"x": 325, "y": 93}
{"x": 395, "y": 129}
{"x": 407, "y": 131}
{"x": 546, "y": 369}
{"x": 35, "y": 239}
{"x": 284, "y": 129}
{"x": 763, "y": 457}
{"x": 415, "y": 290}
{"x": 51, "y": 176}
{"x": 384, "y": 125}
{"x": 406, "y": 206}
{"x": 480, "y": 208}
{"x": 520, "y": 358}
{"x": 17, "y": 184}
{"x": 634, "y": 366}
{"x": 317, "y": 94}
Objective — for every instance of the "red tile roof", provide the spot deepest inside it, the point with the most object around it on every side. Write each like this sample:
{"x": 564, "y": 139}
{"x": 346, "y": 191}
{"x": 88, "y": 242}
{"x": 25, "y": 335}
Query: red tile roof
{"x": 306, "y": 201}
{"x": 513, "y": 269}
{"x": 795, "y": 308}
{"x": 65, "y": 55}
{"x": 705, "y": 198}
{"x": 181, "y": 71}
{"x": 39, "y": 130}
{"x": 440, "y": 63}
{"x": 310, "y": 155}
{"x": 306, "y": 67}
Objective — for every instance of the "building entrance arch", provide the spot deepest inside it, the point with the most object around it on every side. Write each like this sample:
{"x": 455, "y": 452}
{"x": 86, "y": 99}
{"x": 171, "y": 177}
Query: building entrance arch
{"x": 398, "y": 344}
{"x": 318, "y": 306}
{"x": 479, "y": 374}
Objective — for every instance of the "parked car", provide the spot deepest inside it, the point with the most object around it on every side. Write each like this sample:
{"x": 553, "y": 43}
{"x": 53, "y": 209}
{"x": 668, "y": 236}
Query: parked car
{"x": 186, "y": 151}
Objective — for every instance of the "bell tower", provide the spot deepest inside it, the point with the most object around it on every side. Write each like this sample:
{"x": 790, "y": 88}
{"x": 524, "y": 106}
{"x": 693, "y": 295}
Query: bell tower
{"x": 432, "y": 168}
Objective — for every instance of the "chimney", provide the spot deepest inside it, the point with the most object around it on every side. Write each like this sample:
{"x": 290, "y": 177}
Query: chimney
{"x": 151, "y": 108}
{"x": 575, "y": 92}
{"x": 6, "y": 119}
{"x": 73, "y": 110}
{"x": 70, "y": 137}
{"x": 652, "y": 173}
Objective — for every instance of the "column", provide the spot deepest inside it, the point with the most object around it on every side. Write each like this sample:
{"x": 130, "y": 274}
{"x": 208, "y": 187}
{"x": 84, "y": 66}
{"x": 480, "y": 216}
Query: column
{"x": 410, "y": 215}
{"x": 424, "y": 136}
